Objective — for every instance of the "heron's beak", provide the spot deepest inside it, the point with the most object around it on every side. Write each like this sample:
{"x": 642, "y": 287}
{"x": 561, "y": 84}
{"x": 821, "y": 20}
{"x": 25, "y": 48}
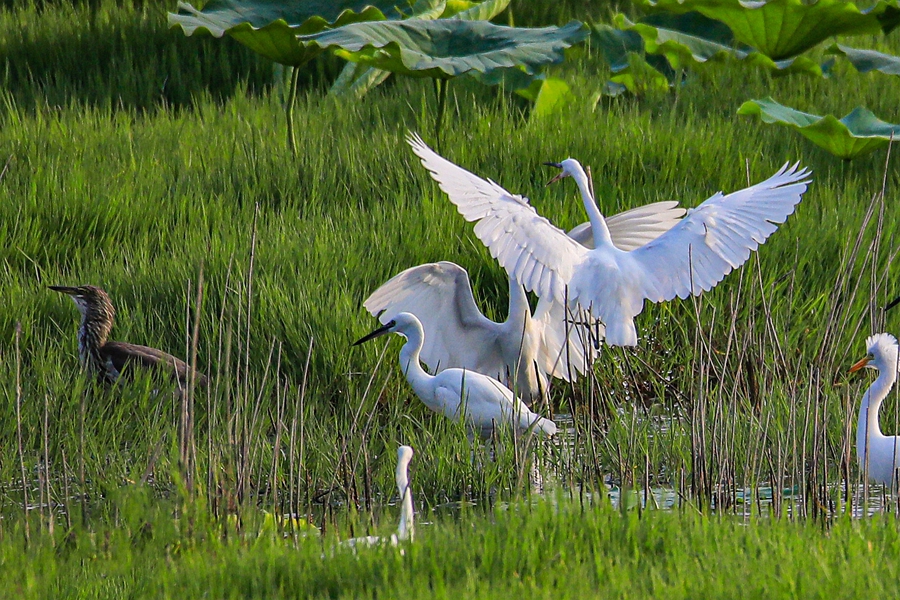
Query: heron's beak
{"x": 386, "y": 328}
{"x": 892, "y": 304}
{"x": 860, "y": 364}
{"x": 64, "y": 289}
{"x": 558, "y": 177}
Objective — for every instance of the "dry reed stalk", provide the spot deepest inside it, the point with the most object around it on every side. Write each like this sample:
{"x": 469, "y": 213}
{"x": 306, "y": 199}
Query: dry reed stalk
{"x": 18, "y": 336}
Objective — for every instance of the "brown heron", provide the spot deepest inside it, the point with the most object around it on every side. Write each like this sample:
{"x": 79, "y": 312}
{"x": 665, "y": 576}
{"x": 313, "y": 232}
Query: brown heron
{"x": 106, "y": 360}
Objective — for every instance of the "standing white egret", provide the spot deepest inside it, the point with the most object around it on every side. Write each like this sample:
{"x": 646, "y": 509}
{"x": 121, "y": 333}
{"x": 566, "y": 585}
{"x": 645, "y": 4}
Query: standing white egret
{"x": 519, "y": 352}
{"x": 481, "y": 402}
{"x": 884, "y": 450}
{"x": 406, "y": 529}
{"x": 692, "y": 257}
{"x": 523, "y": 351}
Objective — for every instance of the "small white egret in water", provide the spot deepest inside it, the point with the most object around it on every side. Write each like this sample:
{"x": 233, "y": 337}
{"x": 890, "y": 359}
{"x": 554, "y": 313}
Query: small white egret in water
{"x": 884, "y": 450}
{"x": 406, "y": 529}
{"x": 481, "y": 402}
{"x": 692, "y": 257}
{"x": 525, "y": 350}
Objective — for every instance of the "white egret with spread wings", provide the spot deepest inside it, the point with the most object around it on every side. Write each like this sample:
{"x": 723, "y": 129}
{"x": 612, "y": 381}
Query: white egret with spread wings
{"x": 525, "y": 350}
{"x": 690, "y": 258}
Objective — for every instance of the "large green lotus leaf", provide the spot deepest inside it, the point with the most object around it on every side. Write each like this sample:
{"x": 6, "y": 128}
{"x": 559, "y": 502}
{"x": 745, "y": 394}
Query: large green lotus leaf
{"x": 476, "y": 11}
{"x": 548, "y": 94}
{"x": 784, "y": 28}
{"x": 270, "y": 27}
{"x": 357, "y": 79}
{"x": 616, "y": 45}
{"x": 428, "y": 9}
{"x": 446, "y": 48}
{"x": 553, "y": 95}
{"x": 868, "y": 60}
{"x": 689, "y": 39}
{"x": 632, "y": 69}
{"x": 641, "y": 77}
{"x": 857, "y": 134}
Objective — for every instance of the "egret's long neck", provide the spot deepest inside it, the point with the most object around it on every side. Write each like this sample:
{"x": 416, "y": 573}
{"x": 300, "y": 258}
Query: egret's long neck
{"x": 407, "y": 528}
{"x": 598, "y": 222}
{"x": 867, "y": 424}
{"x": 409, "y": 361}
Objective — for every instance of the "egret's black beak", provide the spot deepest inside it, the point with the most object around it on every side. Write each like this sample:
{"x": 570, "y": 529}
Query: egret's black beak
{"x": 386, "y": 328}
{"x": 892, "y": 304}
{"x": 558, "y": 177}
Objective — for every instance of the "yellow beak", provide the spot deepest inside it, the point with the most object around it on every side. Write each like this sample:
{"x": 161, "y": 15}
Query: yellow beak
{"x": 860, "y": 364}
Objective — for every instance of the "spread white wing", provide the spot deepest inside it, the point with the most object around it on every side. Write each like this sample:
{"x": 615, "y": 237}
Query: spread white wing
{"x": 440, "y": 295}
{"x": 533, "y": 250}
{"x": 718, "y": 236}
{"x": 633, "y": 228}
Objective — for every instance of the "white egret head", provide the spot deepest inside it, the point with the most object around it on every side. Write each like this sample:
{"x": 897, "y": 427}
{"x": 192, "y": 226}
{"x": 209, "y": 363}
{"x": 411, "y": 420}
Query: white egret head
{"x": 881, "y": 353}
{"x": 403, "y": 323}
{"x": 568, "y": 168}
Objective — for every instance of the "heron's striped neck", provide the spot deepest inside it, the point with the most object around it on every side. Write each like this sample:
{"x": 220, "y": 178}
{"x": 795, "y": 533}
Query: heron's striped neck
{"x": 96, "y": 324}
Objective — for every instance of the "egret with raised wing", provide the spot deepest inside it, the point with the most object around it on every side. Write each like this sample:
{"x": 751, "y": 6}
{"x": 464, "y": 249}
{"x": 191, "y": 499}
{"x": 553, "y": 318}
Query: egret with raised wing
{"x": 520, "y": 352}
{"x": 525, "y": 350}
{"x": 481, "y": 402}
{"x": 883, "y": 450}
{"x": 690, "y": 258}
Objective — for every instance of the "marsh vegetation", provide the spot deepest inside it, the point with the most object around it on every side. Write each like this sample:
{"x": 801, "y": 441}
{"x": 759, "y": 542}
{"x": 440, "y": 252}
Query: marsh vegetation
{"x": 154, "y": 165}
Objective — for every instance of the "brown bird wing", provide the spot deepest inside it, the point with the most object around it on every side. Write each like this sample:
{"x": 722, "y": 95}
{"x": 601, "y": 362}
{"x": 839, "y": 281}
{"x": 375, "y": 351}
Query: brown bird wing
{"x": 122, "y": 355}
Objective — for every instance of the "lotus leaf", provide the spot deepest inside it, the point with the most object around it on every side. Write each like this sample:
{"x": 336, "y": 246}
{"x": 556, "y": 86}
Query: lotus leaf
{"x": 692, "y": 38}
{"x": 632, "y": 70}
{"x": 270, "y": 27}
{"x": 859, "y": 133}
{"x": 445, "y": 48}
{"x": 480, "y": 11}
{"x": 553, "y": 94}
{"x": 616, "y": 45}
{"x": 357, "y": 79}
{"x": 868, "y": 60}
{"x": 547, "y": 93}
{"x": 428, "y": 9}
{"x": 785, "y": 28}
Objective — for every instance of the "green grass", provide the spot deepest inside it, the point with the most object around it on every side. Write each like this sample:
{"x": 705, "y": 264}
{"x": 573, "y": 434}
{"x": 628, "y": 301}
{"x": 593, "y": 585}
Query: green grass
{"x": 560, "y": 549}
{"x": 140, "y": 159}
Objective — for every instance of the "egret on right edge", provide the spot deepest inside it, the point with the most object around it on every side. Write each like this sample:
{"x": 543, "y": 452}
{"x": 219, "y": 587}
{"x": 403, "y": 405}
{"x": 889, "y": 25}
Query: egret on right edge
{"x": 481, "y": 402}
{"x": 692, "y": 257}
{"x": 883, "y": 450}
